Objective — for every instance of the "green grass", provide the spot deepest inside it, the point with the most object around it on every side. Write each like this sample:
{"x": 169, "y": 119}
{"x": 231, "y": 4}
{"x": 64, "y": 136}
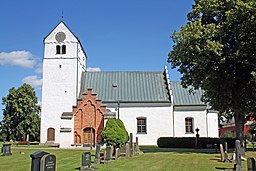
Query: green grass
{"x": 70, "y": 160}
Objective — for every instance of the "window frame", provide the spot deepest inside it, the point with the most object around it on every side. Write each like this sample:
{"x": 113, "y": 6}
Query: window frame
{"x": 189, "y": 125}
{"x": 141, "y": 128}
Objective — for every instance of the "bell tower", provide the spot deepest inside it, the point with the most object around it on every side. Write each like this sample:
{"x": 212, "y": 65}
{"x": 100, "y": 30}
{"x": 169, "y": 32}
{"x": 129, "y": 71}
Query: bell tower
{"x": 63, "y": 64}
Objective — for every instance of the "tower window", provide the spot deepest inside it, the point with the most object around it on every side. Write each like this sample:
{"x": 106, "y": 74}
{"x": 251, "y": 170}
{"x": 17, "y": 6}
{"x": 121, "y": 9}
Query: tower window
{"x": 61, "y": 49}
{"x": 58, "y": 49}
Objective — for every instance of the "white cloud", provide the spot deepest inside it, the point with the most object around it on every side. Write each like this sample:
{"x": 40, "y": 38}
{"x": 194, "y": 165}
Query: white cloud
{"x": 23, "y": 59}
{"x": 39, "y": 68}
{"x": 93, "y": 69}
{"x": 33, "y": 81}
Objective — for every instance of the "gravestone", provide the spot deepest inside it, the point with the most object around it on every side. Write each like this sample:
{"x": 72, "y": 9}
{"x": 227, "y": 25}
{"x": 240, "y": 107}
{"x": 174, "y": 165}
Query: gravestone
{"x": 6, "y": 150}
{"x": 127, "y": 150}
{"x": 117, "y": 153}
{"x": 238, "y": 165}
{"x": 36, "y": 160}
{"x": 107, "y": 155}
{"x": 131, "y": 146}
{"x": 111, "y": 152}
{"x": 48, "y": 163}
{"x": 222, "y": 154}
{"x": 137, "y": 148}
{"x": 122, "y": 149}
{"x": 226, "y": 152}
{"x": 251, "y": 164}
{"x": 97, "y": 154}
{"x": 86, "y": 160}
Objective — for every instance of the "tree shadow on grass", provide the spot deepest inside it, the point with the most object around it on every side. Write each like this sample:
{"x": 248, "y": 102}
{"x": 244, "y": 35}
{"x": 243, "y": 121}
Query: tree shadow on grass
{"x": 223, "y": 168}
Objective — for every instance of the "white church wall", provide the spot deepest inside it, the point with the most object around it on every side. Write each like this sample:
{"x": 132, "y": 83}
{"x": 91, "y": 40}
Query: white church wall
{"x": 158, "y": 121}
{"x": 59, "y": 94}
{"x": 212, "y": 120}
{"x": 199, "y": 121}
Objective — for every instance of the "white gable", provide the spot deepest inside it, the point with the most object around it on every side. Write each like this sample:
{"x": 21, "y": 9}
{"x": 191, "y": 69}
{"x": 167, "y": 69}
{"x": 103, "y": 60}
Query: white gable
{"x": 61, "y": 27}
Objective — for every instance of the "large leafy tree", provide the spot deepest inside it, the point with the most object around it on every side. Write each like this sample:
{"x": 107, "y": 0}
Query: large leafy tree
{"x": 216, "y": 50}
{"x": 20, "y": 115}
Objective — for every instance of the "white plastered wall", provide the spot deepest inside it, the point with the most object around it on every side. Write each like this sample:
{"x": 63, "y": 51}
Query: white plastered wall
{"x": 159, "y": 122}
{"x": 213, "y": 124}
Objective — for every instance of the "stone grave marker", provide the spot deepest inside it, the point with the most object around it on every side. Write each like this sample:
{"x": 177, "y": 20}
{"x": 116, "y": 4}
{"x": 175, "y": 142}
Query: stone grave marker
{"x": 117, "y": 153}
{"x": 137, "y": 148}
{"x": 97, "y": 154}
{"x": 111, "y": 152}
{"x": 222, "y": 154}
{"x": 251, "y": 164}
{"x": 226, "y": 152}
{"x": 6, "y": 150}
{"x": 127, "y": 150}
{"x": 36, "y": 160}
{"x": 122, "y": 149}
{"x": 107, "y": 155}
{"x": 131, "y": 146}
{"x": 86, "y": 160}
{"x": 48, "y": 163}
{"x": 238, "y": 165}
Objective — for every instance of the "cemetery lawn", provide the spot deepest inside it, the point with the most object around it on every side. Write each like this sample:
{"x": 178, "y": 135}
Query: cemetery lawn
{"x": 70, "y": 160}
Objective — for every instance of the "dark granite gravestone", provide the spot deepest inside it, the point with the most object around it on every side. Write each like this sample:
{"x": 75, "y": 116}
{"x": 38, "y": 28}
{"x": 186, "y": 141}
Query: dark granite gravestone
{"x": 36, "y": 158}
{"x": 97, "y": 154}
{"x": 251, "y": 164}
{"x": 48, "y": 163}
{"x": 6, "y": 150}
{"x": 107, "y": 156}
{"x": 122, "y": 149}
{"x": 86, "y": 160}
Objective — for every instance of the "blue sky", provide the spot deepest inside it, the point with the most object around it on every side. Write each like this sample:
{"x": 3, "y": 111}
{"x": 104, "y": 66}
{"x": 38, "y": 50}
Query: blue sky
{"x": 117, "y": 35}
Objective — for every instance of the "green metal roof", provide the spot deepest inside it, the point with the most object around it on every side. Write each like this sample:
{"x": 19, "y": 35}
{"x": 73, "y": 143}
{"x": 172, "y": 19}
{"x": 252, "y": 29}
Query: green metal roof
{"x": 181, "y": 96}
{"x": 139, "y": 87}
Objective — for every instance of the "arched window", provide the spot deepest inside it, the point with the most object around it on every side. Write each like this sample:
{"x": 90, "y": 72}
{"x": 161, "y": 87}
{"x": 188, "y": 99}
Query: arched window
{"x": 141, "y": 125}
{"x": 58, "y": 49}
{"x": 63, "y": 49}
{"x": 189, "y": 125}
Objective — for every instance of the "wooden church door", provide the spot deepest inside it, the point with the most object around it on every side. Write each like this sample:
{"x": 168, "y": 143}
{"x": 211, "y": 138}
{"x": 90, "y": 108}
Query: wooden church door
{"x": 50, "y": 134}
{"x": 89, "y": 136}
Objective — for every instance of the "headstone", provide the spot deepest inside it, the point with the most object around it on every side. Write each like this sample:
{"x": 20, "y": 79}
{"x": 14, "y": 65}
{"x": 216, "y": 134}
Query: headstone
{"x": 131, "y": 146}
{"x": 111, "y": 152}
{"x": 127, "y": 150}
{"x": 222, "y": 155}
{"x": 122, "y": 149}
{"x": 86, "y": 160}
{"x": 107, "y": 155}
{"x": 226, "y": 152}
{"x": 48, "y": 163}
{"x": 36, "y": 160}
{"x": 6, "y": 150}
{"x": 251, "y": 164}
{"x": 238, "y": 165}
{"x": 117, "y": 153}
{"x": 137, "y": 148}
{"x": 97, "y": 154}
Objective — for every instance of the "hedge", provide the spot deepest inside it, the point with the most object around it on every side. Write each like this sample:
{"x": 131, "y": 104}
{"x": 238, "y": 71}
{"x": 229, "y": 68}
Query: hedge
{"x": 189, "y": 142}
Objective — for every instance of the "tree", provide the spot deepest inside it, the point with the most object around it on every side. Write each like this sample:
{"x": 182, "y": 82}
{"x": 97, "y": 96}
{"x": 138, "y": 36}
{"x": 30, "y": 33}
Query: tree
{"x": 215, "y": 51}
{"x": 113, "y": 134}
{"x": 20, "y": 115}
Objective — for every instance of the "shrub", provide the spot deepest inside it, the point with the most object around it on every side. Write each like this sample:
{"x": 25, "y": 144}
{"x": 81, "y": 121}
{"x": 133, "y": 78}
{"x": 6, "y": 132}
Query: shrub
{"x": 113, "y": 134}
{"x": 189, "y": 142}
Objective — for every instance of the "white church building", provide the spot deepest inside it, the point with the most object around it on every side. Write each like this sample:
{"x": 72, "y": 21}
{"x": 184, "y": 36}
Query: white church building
{"x": 76, "y": 103}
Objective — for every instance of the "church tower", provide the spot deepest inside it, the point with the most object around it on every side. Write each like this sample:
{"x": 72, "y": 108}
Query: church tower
{"x": 63, "y": 64}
